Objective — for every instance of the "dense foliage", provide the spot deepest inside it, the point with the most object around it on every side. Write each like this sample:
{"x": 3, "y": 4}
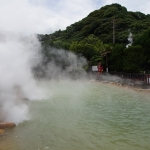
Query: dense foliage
{"x": 103, "y": 34}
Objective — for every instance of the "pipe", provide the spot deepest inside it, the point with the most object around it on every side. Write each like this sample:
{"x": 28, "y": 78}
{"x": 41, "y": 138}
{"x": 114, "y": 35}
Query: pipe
{"x": 4, "y": 125}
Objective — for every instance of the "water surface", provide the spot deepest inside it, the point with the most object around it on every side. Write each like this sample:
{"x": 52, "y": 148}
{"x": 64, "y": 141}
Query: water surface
{"x": 84, "y": 116}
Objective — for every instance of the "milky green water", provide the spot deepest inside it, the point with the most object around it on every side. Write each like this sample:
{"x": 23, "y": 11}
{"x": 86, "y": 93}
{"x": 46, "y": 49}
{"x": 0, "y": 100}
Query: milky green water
{"x": 84, "y": 116}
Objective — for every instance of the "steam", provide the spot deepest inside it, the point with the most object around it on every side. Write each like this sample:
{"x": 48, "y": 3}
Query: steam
{"x": 130, "y": 39}
{"x": 63, "y": 64}
{"x": 21, "y": 61}
{"x": 22, "y": 65}
{"x": 17, "y": 83}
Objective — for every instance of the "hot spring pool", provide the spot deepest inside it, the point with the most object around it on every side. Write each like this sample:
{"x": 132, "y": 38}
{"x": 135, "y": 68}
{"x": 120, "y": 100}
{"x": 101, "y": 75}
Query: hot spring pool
{"x": 84, "y": 116}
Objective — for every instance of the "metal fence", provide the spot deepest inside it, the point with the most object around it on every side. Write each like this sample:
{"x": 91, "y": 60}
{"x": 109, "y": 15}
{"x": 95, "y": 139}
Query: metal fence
{"x": 138, "y": 77}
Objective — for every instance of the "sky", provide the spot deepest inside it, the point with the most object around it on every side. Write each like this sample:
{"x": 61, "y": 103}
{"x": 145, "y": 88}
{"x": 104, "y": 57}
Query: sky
{"x": 48, "y": 16}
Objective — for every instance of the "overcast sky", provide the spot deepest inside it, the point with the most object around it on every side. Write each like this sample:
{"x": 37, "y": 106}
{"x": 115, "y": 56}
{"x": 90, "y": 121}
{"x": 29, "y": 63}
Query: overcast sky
{"x": 47, "y": 16}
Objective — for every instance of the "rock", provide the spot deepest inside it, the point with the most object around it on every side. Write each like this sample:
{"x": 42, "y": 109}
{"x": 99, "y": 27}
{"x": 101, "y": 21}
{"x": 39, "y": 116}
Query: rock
{"x": 7, "y": 125}
{"x": 2, "y": 131}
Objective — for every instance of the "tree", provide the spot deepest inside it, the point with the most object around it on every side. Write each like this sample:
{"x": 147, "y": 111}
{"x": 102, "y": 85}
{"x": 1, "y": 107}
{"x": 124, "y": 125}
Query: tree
{"x": 133, "y": 59}
{"x": 116, "y": 58}
{"x": 144, "y": 41}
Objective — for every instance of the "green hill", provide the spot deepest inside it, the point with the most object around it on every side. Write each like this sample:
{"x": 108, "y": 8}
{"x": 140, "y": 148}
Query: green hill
{"x": 101, "y": 33}
{"x": 101, "y": 22}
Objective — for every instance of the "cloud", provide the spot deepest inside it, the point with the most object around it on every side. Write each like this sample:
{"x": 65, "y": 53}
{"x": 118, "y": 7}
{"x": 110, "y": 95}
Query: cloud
{"x": 41, "y": 16}
{"x": 47, "y": 16}
{"x": 21, "y": 16}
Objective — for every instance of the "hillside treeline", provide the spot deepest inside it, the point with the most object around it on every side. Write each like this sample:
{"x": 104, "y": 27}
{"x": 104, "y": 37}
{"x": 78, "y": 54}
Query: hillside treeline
{"x": 103, "y": 36}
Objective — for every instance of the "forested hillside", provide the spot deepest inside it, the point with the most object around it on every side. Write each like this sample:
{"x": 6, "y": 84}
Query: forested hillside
{"x": 103, "y": 34}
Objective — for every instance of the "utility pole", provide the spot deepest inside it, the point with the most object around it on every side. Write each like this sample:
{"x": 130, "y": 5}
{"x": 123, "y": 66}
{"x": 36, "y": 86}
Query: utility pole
{"x": 114, "y": 30}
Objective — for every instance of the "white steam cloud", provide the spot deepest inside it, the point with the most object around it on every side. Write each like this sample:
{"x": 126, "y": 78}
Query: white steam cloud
{"x": 20, "y": 53}
{"x": 64, "y": 65}
{"x": 16, "y": 79}
{"x": 130, "y": 39}
{"x": 21, "y": 63}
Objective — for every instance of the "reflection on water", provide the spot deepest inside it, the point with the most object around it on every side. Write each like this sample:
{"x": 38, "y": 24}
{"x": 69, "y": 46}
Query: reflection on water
{"x": 81, "y": 116}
